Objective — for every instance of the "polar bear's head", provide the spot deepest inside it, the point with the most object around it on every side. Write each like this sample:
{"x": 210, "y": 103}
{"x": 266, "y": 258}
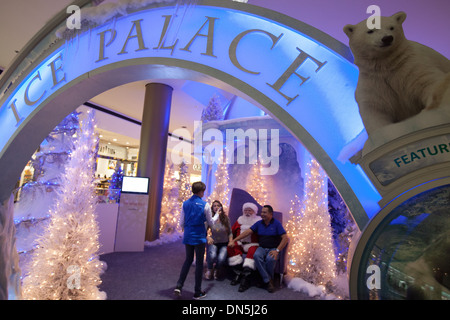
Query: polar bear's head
{"x": 376, "y": 43}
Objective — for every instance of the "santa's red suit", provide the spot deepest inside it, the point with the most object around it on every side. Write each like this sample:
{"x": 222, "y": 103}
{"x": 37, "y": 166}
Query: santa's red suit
{"x": 247, "y": 245}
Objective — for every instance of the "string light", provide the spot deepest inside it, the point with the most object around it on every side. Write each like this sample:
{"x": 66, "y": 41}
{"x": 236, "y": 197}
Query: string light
{"x": 257, "y": 184}
{"x": 221, "y": 190}
{"x": 71, "y": 238}
{"x": 170, "y": 207}
{"x": 184, "y": 184}
{"x": 40, "y": 180}
{"x": 311, "y": 254}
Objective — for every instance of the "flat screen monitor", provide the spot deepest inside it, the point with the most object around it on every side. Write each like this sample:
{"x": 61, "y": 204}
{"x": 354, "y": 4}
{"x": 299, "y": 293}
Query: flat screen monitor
{"x": 135, "y": 184}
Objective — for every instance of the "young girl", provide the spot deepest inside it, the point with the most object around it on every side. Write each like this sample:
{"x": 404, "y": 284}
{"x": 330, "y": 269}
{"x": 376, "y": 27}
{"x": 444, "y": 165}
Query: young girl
{"x": 218, "y": 241}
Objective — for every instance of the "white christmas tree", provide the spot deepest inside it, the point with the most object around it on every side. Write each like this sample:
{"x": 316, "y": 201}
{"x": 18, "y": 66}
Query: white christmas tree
{"x": 170, "y": 207}
{"x": 213, "y": 110}
{"x": 257, "y": 184}
{"x": 184, "y": 184}
{"x": 36, "y": 196}
{"x": 221, "y": 189}
{"x": 293, "y": 230}
{"x": 311, "y": 254}
{"x": 65, "y": 265}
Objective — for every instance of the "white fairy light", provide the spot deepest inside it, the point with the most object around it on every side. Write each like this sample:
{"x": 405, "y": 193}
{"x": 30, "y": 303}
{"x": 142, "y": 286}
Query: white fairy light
{"x": 311, "y": 254}
{"x": 71, "y": 238}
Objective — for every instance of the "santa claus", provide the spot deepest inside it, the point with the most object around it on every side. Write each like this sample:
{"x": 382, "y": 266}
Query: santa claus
{"x": 243, "y": 267}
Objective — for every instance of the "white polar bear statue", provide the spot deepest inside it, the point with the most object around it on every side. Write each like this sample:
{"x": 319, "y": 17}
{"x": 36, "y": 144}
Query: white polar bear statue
{"x": 398, "y": 78}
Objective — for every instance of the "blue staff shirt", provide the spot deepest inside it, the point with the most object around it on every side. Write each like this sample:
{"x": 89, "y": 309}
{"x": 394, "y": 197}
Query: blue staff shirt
{"x": 194, "y": 219}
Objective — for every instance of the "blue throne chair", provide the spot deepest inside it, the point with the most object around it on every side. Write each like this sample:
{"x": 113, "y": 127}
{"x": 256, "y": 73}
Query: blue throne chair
{"x": 238, "y": 198}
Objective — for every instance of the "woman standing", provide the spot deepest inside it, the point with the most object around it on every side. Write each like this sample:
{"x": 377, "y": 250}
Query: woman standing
{"x": 218, "y": 240}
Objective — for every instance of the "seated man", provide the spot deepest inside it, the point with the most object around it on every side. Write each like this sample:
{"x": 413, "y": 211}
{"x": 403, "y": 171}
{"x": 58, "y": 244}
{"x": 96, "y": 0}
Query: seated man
{"x": 243, "y": 268}
{"x": 272, "y": 239}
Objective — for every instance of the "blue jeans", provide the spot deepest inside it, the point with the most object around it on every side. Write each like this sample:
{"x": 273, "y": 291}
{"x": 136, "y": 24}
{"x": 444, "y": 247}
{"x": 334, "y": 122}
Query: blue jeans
{"x": 217, "y": 252}
{"x": 199, "y": 250}
{"x": 264, "y": 263}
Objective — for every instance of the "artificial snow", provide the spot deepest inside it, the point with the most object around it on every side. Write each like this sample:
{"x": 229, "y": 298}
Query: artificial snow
{"x": 98, "y": 15}
{"x": 340, "y": 288}
{"x": 353, "y": 148}
{"x": 164, "y": 238}
{"x": 300, "y": 285}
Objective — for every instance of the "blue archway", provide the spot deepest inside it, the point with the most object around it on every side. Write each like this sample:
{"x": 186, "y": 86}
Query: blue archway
{"x": 299, "y": 75}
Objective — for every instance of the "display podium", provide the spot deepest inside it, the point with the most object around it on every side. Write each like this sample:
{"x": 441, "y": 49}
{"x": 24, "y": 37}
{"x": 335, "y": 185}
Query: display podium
{"x": 132, "y": 216}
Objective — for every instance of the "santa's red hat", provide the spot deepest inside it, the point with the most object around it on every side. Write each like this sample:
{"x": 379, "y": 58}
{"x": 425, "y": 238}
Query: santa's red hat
{"x": 250, "y": 205}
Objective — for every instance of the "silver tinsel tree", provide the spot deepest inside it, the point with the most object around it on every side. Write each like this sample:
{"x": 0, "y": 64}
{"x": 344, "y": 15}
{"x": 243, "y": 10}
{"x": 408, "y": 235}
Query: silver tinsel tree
{"x": 213, "y": 110}
{"x": 65, "y": 265}
{"x": 311, "y": 255}
{"x": 170, "y": 206}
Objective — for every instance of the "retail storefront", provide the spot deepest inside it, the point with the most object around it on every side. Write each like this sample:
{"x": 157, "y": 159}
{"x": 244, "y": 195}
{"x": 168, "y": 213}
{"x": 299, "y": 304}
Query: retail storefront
{"x": 300, "y": 76}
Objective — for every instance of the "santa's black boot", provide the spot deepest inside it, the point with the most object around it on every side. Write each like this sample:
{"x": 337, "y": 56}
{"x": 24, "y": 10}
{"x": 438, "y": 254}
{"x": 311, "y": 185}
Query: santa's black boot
{"x": 237, "y": 272}
{"x": 245, "y": 281}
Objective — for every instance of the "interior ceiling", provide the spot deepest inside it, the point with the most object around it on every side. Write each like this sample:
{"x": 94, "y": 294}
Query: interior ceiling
{"x": 118, "y": 139}
{"x": 128, "y": 100}
{"x": 25, "y": 17}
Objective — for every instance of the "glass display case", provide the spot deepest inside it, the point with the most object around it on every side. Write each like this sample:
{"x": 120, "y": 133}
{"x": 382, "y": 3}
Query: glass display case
{"x": 411, "y": 247}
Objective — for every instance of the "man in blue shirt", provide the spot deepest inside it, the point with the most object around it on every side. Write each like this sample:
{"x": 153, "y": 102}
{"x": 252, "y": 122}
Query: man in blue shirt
{"x": 195, "y": 214}
{"x": 272, "y": 239}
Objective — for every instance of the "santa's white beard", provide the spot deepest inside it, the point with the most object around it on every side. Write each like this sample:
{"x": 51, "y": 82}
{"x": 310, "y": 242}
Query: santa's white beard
{"x": 246, "y": 223}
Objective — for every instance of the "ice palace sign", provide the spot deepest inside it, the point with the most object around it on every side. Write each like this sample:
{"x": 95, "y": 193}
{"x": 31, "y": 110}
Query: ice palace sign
{"x": 289, "y": 69}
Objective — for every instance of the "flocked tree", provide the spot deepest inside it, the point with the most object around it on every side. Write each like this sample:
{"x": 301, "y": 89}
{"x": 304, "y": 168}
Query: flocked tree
{"x": 37, "y": 193}
{"x": 170, "y": 207}
{"x": 257, "y": 184}
{"x": 49, "y": 161}
{"x": 293, "y": 230}
{"x": 65, "y": 264}
{"x": 213, "y": 111}
{"x": 221, "y": 189}
{"x": 312, "y": 255}
{"x": 184, "y": 184}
